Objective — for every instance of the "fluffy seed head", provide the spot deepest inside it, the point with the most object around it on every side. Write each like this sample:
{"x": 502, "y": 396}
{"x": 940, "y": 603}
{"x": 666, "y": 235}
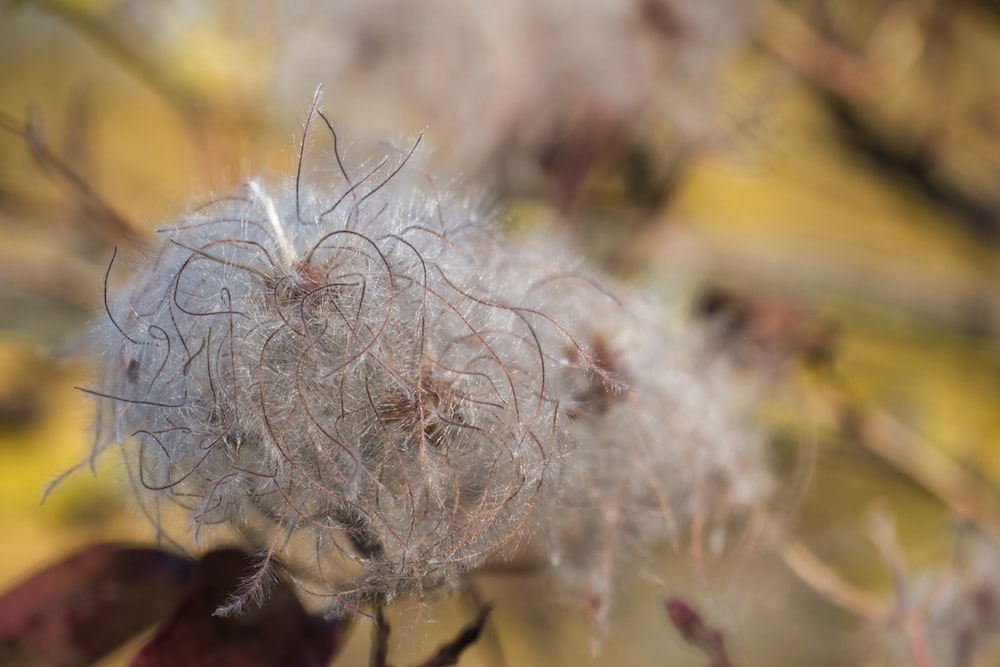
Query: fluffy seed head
{"x": 378, "y": 393}
{"x": 355, "y": 368}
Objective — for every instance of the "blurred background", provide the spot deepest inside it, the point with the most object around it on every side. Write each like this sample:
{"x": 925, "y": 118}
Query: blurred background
{"x": 814, "y": 182}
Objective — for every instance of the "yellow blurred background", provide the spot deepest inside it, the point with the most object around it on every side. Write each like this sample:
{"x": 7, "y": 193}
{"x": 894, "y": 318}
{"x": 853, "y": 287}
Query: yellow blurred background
{"x": 835, "y": 161}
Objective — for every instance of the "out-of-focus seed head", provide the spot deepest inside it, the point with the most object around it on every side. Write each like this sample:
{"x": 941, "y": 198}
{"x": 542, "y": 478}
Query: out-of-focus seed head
{"x": 664, "y": 448}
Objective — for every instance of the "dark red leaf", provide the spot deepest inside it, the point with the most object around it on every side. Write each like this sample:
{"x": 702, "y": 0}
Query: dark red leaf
{"x": 76, "y": 611}
{"x": 276, "y": 633}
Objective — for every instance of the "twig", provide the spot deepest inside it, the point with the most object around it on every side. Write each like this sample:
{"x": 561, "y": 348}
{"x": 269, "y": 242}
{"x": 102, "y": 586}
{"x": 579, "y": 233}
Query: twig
{"x": 907, "y": 615}
{"x": 30, "y": 131}
{"x": 449, "y": 653}
{"x": 380, "y": 640}
{"x": 818, "y": 576}
{"x": 86, "y": 24}
{"x": 821, "y": 60}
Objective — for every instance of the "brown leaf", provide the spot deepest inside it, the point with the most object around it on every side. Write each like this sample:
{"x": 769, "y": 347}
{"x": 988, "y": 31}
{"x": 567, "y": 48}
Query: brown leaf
{"x": 276, "y": 632}
{"x": 74, "y": 612}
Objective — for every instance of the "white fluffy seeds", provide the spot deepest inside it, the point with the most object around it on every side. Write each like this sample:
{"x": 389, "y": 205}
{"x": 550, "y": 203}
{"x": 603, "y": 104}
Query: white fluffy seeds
{"x": 382, "y": 395}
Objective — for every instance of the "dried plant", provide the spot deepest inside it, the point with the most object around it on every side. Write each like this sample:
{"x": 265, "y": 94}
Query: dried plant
{"x": 382, "y": 395}
{"x": 525, "y": 89}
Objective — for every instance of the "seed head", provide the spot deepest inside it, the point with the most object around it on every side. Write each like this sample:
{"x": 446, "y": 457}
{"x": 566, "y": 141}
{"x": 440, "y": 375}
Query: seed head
{"x": 381, "y": 395}
{"x": 355, "y": 368}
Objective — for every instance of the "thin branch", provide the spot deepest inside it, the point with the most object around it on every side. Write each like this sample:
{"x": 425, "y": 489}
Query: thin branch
{"x": 818, "y": 576}
{"x": 449, "y": 653}
{"x": 30, "y": 131}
